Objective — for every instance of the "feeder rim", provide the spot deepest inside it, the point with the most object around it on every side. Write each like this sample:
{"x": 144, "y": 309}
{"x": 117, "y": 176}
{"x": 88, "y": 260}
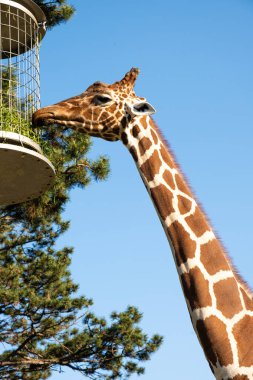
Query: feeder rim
{"x": 30, "y": 7}
{"x": 23, "y": 158}
{"x": 27, "y": 151}
{"x": 13, "y": 138}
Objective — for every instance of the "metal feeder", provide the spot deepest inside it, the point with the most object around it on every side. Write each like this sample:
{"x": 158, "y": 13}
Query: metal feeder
{"x": 25, "y": 173}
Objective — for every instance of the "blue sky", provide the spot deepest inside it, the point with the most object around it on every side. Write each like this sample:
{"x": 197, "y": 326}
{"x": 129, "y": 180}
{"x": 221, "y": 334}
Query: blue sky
{"x": 196, "y": 61}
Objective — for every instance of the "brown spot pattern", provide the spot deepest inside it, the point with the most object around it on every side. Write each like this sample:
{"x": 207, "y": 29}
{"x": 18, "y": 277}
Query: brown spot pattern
{"x": 124, "y": 122}
{"x": 212, "y": 257}
{"x": 154, "y": 136}
{"x": 181, "y": 185}
{"x": 162, "y": 198}
{"x": 151, "y": 167}
{"x": 184, "y": 205}
{"x": 243, "y": 333}
{"x": 144, "y": 145}
{"x": 103, "y": 117}
{"x": 112, "y": 108}
{"x": 110, "y": 123}
{"x": 108, "y": 136}
{"x": 227, "y": 297}
{"x": 247, "y": 300}
{"x": 124, "y": 138}
{"x": 143, "y": 121}
{"x": 168, "y": 178}
{"x": 116, "y": 130}
{"x": 196, "y": 289}
{"x": 166, "y": 157}
{"x": 135, "y": 131}
{"x": 134, "y": 154}
{"x": 214, "y": 340}
{"x": 197, "y": 222}
{"x": 183, "y": 245}
{"x": 111, "y": 118}
{"x": 239, "y": 377}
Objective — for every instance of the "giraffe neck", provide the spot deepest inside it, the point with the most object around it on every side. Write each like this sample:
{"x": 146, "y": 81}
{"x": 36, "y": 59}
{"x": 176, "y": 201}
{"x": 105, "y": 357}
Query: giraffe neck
{"x": 220, "y": 305}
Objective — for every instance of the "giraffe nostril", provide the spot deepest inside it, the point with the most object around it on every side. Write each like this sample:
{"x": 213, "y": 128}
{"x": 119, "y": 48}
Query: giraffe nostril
{"x": 40, "y": 119}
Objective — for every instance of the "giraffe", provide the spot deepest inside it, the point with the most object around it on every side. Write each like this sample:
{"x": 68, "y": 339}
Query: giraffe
{"x": 219, "y": 302}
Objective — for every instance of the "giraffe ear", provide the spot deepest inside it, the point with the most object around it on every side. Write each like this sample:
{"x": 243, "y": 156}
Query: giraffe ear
{"x": 141, "y": 108}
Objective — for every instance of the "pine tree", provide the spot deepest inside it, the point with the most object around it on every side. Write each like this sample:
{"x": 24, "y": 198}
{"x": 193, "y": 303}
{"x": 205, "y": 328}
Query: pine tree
{"x": 56, "y": 11}
{"x": 44, "y": 325}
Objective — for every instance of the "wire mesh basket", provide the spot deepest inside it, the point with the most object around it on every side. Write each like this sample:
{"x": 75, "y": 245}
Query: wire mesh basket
{"x": 22, "y": 26}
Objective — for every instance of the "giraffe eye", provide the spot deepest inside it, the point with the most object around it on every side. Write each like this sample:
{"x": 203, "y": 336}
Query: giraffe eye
{"x": 100, "y": 100}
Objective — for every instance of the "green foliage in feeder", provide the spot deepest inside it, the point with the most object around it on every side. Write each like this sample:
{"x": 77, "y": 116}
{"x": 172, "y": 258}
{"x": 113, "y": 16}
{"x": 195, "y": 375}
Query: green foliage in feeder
{"x": 25, "y": 171}
{"x": 13, "y": 122}
{"x": 14, "y": 110}
{"x": 19, "y": 92}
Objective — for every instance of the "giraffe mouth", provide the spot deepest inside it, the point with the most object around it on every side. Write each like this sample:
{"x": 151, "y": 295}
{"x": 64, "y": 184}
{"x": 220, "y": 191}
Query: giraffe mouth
{"x": 45, "y": 117}
{"x": 41, "y": 119}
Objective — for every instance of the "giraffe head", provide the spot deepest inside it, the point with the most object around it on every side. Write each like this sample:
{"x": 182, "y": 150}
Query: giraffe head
{"x": 103, "y": 110}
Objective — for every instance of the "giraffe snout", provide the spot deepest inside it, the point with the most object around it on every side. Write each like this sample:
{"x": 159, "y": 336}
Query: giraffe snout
{"x": 42, "y": 117}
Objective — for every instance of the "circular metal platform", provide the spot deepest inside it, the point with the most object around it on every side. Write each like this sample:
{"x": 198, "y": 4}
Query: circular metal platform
{"x": 21, "y": 22}
{"x": 20, "y": 140}
{"x": 24, "y": 172}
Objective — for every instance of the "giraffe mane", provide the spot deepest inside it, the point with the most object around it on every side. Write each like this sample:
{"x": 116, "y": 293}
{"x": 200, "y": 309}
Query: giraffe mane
{"x": 230, "y": 260}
